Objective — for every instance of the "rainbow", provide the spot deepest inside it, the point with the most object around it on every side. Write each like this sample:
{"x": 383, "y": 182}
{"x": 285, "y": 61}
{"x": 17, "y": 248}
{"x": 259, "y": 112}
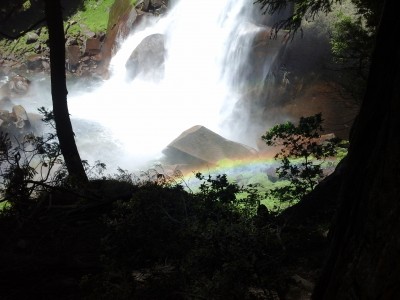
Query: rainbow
{"x": 243, "y": 171}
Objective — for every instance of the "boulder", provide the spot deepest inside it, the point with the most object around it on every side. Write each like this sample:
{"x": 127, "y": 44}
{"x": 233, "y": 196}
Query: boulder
{"x": 5, "y": 116}
{"x": 16, "y": 85}
{"x": 32, "y": 37}
{"x": 34, "y": 62}
{"x": 21, "y": 117}
{"x": 148, "y": 58}
{"x": 199, "y": 145}
{"x": 15, "y": 123}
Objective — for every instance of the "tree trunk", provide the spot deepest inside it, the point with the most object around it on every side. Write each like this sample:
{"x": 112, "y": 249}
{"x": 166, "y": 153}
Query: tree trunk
{"x": 59, "y": 92}
{"x": 364, "y": 261}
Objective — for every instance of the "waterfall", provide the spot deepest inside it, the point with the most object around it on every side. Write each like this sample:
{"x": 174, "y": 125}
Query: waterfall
{"x": 207, "y": 46}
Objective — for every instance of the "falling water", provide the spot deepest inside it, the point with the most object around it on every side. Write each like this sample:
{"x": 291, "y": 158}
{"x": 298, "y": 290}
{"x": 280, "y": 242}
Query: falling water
{"x": 126, "y": 123}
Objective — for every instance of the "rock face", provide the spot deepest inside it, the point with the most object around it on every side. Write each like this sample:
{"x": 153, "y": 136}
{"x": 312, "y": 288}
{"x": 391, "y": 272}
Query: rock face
{"x": 147, "y": 60}
{"x": 120, "y": 22}
{"x": 267, "y": 48}
{"x": 123, "y": 18}
{"x": 199, "y": 145}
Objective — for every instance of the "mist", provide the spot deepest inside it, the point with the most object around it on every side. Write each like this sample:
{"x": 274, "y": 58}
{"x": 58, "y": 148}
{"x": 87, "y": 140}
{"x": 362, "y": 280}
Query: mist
{"x": 209, "y": 77}
{"x": 126, "y": 123}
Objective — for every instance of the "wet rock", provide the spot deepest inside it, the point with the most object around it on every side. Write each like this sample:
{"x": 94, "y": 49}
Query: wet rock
{"x": 21, "y": 117}
{"x": 15, "y": 123}
{"x": 5, "y": 116}
{"x": 34, "y": 62}
{"x": 148, "y": 58}
{"x": 19, "y": 84}
{"x": 16, "y": 85}
{"x": 5, "y": 103}
{"x": 267, "y": 47}
{"x": 73, "y": 54}
{"x": 153, "y": 6}
{"x": 143, "y": 5}
{"x": 157, "y": 7}
{"x": 157, "y": 3}
{"x": 45, "y": 65}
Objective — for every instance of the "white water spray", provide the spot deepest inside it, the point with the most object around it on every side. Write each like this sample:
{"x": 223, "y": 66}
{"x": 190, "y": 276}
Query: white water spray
{"x": 207, "y": 44}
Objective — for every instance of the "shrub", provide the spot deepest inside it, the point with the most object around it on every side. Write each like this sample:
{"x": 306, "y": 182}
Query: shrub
{"x": 301, "y": 155}
{"x": 209, "y": 244}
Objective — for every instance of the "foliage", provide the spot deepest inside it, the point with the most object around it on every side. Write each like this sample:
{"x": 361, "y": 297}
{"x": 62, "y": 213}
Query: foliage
{"x": 158, "y": 240}
{"x": 27, "y": 167}
{"x": 301, "y": 155}
{"x": 89, "y": 15}
{"x": 93, "y": 16}
{"x": 30, "y": 166}
{"x": 184, "y": 245}
{"x": 352, "y": 43}
{"x": 308, "y": 10}
{"x": 371, "y": 10}
{"x": 302, "y": 9}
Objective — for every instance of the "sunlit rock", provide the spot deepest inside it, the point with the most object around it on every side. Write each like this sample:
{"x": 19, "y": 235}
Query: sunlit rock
{"x": 199, "y": 145}
{"x": 147, "y": 60}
